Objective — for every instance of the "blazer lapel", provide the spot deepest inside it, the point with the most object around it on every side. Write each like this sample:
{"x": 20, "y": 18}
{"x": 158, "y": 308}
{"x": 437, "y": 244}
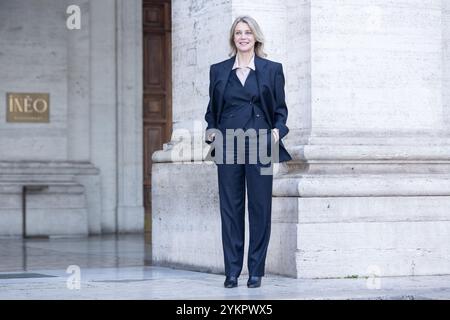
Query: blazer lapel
{"x": 261, "y": 78}
{"x": 221, "y": 83}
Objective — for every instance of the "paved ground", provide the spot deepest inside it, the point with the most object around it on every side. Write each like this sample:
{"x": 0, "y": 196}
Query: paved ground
{"x": 115, "y": 268}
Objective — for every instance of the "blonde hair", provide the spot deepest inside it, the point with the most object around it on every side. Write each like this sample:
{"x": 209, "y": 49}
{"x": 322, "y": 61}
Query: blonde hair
{"x": 259, "y": 37}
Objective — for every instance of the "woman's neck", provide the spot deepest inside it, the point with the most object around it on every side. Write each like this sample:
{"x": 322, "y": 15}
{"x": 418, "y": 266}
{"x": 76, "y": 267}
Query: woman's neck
{"x": 245, "y": 57}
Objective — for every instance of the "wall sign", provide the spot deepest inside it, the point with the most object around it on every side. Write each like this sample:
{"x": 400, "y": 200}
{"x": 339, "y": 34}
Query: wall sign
{"x": 27, "y": 107}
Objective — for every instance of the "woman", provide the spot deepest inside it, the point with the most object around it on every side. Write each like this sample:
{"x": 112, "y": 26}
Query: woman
{"x": 247, "y": 100}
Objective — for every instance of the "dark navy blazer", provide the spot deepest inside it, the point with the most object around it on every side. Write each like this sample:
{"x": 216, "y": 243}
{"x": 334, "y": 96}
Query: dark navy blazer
{"x": 270, "y": 77}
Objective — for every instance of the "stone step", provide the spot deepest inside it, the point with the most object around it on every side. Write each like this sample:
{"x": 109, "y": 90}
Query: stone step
{"x": 59, "y": 209}
{"x": 46, "y": 168}
{"x": 36, "y": 200}
{"x": 52, "y": 187}
{"x": 35, "y": 178}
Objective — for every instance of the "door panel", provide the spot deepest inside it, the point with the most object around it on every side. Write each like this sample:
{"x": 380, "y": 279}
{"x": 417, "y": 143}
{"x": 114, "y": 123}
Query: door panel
{"x": 157, "y": 106}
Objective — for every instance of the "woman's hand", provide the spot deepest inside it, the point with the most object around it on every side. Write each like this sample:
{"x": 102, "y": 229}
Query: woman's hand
{"x": 276, "y": 135}
{"x": 211, "y": 136}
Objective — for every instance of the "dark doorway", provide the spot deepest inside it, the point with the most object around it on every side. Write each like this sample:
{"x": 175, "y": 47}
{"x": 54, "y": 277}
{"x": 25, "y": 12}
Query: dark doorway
{"x": 157, "y": 112}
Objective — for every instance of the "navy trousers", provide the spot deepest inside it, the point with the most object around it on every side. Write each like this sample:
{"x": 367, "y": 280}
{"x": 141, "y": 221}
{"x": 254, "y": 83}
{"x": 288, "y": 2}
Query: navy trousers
{"x": 233, "y": 180}
{"x": 242, "y": 110}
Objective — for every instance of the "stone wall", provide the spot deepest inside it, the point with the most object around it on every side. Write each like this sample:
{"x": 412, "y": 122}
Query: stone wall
{"x": 93, "y": 76}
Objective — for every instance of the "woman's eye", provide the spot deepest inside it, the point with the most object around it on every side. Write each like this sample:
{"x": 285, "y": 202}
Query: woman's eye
{"x": 247, "y": 33}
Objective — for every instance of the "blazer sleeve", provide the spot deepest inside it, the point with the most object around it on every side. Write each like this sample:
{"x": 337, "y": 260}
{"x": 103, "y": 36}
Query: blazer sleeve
{"x": 281, "y": 111}
{"x": 210, "y": 116}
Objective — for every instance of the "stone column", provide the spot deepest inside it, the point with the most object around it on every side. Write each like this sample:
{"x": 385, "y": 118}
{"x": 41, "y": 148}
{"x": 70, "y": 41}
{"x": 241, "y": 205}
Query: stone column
{"x": 103, "y": 113}
{"x": 130, "y": 215}
{"x": 371, "y": 196}
{"x": 78, "y": 86}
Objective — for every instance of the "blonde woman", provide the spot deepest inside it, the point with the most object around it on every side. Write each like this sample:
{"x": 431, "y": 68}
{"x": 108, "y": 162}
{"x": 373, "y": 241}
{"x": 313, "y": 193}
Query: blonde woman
{"x": 247, "y": 99}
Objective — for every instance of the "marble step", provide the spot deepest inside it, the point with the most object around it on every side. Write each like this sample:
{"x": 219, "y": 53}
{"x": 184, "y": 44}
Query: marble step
{"x": 58, "y": 209}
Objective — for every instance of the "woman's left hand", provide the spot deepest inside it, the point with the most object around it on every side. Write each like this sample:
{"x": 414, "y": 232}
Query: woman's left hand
{"x": 276, "y": 135}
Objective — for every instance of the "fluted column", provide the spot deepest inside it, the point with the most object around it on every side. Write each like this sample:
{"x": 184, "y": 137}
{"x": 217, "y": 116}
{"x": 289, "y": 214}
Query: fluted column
{"x": 371, "y": 179}
{"x": 130, "y": 210}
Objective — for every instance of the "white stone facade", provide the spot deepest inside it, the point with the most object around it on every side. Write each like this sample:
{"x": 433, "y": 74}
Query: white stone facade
{"x": 367, "y": 91}
{"x": 90, "y": 153}
{"x": 368, "y": 190}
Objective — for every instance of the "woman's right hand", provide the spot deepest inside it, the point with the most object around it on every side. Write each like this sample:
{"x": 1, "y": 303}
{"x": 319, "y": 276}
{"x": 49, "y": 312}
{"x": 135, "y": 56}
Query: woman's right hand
{"x": 211, "y": 136}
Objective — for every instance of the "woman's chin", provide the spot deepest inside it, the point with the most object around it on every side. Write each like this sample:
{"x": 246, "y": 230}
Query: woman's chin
{"x": 243, "y": 49}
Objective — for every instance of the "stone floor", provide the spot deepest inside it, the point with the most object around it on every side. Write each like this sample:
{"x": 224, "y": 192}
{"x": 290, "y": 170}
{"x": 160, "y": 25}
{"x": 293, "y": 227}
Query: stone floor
{"x": 113, "y": 267}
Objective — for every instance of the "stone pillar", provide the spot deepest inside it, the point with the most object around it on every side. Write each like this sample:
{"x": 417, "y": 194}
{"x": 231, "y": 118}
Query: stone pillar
{"x": 78, "y": 86}
{"x": 103, "y": 100}
{"x": 130, "y": 215}
{"x": 446, "y": 64}
{"x": 116, "y": 104}
{"x": 371, "y": 194}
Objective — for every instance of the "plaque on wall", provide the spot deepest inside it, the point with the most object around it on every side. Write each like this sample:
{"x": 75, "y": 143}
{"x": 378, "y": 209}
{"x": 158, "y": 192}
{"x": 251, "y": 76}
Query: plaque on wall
{"x": 27, "y": 107}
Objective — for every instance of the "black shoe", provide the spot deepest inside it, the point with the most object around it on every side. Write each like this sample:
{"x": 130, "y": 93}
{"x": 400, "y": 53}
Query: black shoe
{"x": 254, "y": 282}
{"x": 230, "y": 282}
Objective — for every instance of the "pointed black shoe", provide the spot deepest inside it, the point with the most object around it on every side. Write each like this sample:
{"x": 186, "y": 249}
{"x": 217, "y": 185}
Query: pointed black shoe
{"x": 254, "y": 282}
{"x": 230, "y": 282}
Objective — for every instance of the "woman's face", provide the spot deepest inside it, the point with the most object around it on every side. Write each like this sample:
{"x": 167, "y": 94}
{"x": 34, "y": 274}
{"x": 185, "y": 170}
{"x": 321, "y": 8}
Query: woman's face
{"x": 244, "y": 40}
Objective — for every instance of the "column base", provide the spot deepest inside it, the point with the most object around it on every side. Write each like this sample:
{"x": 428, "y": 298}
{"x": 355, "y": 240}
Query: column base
{"x": 338, "y": 218}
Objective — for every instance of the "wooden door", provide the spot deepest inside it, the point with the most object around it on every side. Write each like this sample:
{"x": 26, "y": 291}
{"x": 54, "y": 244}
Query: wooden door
{"x": 157, "y": 112}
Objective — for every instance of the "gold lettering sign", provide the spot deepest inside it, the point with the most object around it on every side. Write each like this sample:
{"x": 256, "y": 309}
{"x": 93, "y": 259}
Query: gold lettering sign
{"x": 27, "y": 107}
